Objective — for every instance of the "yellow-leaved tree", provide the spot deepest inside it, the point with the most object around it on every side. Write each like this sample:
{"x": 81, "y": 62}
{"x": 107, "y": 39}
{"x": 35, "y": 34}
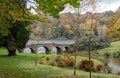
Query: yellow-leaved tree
{"x": 114, "y": 31}
{"x": 90, "y": 26}
{"x": 114, "y": 28}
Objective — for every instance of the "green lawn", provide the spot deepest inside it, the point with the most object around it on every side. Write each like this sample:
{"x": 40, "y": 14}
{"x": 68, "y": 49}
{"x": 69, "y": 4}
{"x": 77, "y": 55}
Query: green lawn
{"x": 23, "y": 66}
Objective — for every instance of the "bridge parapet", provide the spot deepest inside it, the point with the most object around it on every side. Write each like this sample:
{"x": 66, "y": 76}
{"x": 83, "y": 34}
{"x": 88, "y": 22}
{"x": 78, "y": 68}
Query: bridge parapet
{"x": 48, "y": 47}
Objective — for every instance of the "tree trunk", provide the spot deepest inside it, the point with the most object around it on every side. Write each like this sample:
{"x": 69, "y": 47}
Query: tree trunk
{"x": 11, "y": 49}
{"x": 11, "y": 52}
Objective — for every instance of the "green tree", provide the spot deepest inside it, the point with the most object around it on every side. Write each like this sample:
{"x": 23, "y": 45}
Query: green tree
{"x": 15, "y": 16}
{"x": 114, "y": 28}
{"x": 53, "y": 7}
{"x": 13, "y": 21}
{"x": 17, "y": 37}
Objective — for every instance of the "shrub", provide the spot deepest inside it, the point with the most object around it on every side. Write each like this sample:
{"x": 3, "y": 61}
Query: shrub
{"x": 58, "y": 61}
{"x": 67, "y": 55}
{"x": 69, "y": 61}
{"x": 107, "y": 54}
{"x": 49, "y": 61}
{"x": 108, "y": 69}
{"x": 116, "y": 55}
{"x": 42, "y": 60}
{"x": 99, "y": 67}
{"x": 86, "y": 65}
{"x": 58, "y": 64}
{"x": 47, "y": 58}
{"x": 58, "y": 58}
{"x": 72, "y": 62}
{"x": 53, "y": 63}
{"x": 61, "y": 64}
{"x": 103, "y": 69}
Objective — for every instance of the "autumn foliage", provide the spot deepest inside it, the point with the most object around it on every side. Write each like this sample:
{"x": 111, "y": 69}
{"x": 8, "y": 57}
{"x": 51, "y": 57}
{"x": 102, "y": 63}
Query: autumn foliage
{"x": 86, "y": 65}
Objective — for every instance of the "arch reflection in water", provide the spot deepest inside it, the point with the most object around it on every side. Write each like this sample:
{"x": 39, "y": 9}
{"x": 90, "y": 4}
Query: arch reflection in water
{"x": 27, "y": 50}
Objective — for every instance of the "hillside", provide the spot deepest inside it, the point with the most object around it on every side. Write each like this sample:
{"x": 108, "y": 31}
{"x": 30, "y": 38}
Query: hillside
{"x": 63, "y": 26}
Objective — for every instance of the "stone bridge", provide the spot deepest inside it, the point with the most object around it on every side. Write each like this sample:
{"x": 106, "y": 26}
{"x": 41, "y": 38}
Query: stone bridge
{"x": 49, "y": 47}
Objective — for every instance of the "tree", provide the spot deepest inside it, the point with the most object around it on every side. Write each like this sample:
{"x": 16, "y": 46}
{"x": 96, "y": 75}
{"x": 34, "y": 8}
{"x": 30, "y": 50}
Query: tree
{"x": 53, "y": 7}
{"x": 114, "y": 28}
{"x": 15, "y": 16}
{"x": 91, "y": 30}
{"x": 10, "y": 11}
{"x": 114, "y": 31}
{"x": 17, "y": 37}
{"x": 90, "y": 3}
{"x": 13, "y": 22}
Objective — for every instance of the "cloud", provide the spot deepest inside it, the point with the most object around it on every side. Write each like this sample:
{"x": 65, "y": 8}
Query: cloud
{"x": 107, "y": 5}
{"x": 101, "y": 6}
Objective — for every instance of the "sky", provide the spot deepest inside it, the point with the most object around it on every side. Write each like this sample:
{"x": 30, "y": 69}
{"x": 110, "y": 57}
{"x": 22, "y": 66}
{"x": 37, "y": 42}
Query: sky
{"x": 109, "y": 5}
{"x": 31, "y": 4}
{"x": 101, "y": 6}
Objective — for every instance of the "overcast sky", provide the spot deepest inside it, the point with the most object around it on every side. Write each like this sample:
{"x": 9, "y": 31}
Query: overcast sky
{"x": 102, "y": 5}
{"x": 109, "y": 4}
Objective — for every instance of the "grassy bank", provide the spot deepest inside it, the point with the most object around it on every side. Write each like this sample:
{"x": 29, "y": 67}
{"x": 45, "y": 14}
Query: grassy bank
{"x": 115, "y": 46}
{"x": 23, "y": 66}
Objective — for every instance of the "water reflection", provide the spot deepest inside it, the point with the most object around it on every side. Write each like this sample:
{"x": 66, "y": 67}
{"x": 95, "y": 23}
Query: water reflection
{"x": 42, "y": 50}
{"x": 114, "y": 63}
{"x": 27, "y": 50}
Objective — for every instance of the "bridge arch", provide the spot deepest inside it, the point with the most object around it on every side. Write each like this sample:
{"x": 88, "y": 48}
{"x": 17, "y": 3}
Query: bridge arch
{"x": 67, "y": 48}
{"x": 59, "y": 50}
{"x": 43, "y": 50}
{"x": 56, "y": 50}
{"x": 28, "y": 50}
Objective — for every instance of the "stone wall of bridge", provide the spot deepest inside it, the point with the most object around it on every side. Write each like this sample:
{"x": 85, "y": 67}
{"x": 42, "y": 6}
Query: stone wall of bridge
{"x": 49, "y": 48}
